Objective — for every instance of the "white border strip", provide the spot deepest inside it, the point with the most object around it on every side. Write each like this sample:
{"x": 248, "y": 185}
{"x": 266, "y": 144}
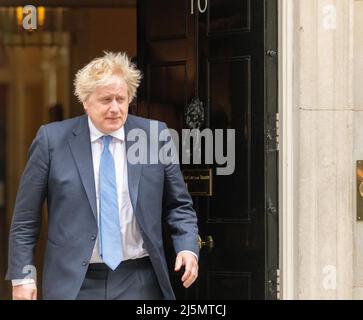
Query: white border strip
{"x": 286, "y": 185}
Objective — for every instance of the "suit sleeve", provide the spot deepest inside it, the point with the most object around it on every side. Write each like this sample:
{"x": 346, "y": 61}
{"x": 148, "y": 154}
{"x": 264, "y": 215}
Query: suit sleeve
{"x": 178, "y": 208}
{"x": 26, "y": 219}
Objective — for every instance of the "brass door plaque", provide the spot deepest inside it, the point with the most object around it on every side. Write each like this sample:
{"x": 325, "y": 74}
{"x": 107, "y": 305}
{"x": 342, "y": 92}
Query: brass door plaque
{"x": 198, "y": 181}
{"x": 360, "y": 190}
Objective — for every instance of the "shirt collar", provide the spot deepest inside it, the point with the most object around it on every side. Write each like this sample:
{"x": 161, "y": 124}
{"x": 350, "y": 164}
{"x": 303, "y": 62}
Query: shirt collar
{"x": 96, "y": 134}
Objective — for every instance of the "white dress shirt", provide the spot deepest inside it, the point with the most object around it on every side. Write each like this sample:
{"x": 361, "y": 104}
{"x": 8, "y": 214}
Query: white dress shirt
{"x": 132, "y": 243}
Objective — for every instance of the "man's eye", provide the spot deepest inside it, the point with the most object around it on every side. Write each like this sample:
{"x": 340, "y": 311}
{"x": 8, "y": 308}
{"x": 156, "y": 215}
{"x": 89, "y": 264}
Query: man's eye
{"x": 106, "y": 100}
{"x": 120, "y": 100}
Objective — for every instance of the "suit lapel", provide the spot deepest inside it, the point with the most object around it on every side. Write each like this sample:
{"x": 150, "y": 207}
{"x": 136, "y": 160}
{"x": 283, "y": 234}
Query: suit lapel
{"x": 133, "y": 170}
{"x": 80, "y": 145}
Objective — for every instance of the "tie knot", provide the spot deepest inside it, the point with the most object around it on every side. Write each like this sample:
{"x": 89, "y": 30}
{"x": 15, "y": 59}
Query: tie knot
{"x": 106, "y": 140}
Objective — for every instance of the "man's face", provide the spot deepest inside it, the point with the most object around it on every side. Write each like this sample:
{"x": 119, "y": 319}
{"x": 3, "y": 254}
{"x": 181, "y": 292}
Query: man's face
{"x": 108, "y": 106}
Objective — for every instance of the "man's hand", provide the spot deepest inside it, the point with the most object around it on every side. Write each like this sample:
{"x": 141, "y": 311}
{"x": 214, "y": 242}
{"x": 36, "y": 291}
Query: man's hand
{"x": 190, "y": 262}
{"x": 25, "y": 292}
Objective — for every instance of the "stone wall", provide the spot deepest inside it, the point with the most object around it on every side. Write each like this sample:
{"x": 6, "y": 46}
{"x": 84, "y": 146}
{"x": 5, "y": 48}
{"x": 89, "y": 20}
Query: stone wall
{"x": 358, "y": 141}
{"x": 324, "y": 147}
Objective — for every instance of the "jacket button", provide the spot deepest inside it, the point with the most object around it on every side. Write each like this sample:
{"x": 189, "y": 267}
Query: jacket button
{"x": 84, "y": 263}
{"x": 93, "y": 237}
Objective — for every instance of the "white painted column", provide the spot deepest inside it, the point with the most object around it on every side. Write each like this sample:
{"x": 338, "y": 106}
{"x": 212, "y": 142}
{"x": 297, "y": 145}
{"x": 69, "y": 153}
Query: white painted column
{"x": 358, "y": 141}
{"x": 287, "y": 198}
{"x": 323, "y": 100}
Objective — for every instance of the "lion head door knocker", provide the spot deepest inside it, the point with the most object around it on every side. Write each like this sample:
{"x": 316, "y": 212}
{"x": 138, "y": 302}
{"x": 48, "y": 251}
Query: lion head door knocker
{"x": 194, "y": 114}
{"x": 194, "y": 119}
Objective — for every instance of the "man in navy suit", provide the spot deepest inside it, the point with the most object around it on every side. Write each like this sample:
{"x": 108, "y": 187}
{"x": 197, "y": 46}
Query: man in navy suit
{"x": 104, "y": 211}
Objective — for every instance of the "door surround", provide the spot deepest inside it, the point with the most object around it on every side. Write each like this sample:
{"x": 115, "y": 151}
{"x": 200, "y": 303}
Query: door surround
{"x": 287, "y": 197}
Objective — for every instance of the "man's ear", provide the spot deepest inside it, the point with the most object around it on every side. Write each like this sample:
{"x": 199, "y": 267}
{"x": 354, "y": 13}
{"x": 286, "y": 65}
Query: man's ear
{"x": 85, "y": 107}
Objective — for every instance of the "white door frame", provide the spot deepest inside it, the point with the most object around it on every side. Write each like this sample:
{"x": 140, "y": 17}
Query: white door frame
{"x": 287, "y": 220}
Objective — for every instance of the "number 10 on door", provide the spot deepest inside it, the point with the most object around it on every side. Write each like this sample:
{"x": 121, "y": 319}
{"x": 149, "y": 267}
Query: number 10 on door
{"x": 200, "y": 8}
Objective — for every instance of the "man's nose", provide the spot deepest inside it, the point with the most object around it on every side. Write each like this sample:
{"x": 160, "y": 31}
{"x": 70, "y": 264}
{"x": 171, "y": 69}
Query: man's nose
{"x": 114, "y": 106}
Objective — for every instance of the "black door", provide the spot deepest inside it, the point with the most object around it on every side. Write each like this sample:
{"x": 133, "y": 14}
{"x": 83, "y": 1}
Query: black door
{"x": 224, "y": 53}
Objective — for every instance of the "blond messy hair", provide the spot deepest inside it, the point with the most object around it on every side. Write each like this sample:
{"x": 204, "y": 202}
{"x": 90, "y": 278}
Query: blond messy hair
{"x": 102, "y": 71}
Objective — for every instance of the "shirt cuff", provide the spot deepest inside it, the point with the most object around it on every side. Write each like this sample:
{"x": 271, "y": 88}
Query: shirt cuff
{"x": 20, "y": 282}
{"x": 190, "y": 252}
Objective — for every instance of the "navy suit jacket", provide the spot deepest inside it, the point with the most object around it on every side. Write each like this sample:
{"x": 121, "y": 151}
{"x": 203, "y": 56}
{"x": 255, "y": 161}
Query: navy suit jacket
{"x": 60, "y": 169}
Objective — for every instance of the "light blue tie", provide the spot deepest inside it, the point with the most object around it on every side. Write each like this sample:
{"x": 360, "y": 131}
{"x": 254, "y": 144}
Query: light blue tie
{"x": 110, "y": 243}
